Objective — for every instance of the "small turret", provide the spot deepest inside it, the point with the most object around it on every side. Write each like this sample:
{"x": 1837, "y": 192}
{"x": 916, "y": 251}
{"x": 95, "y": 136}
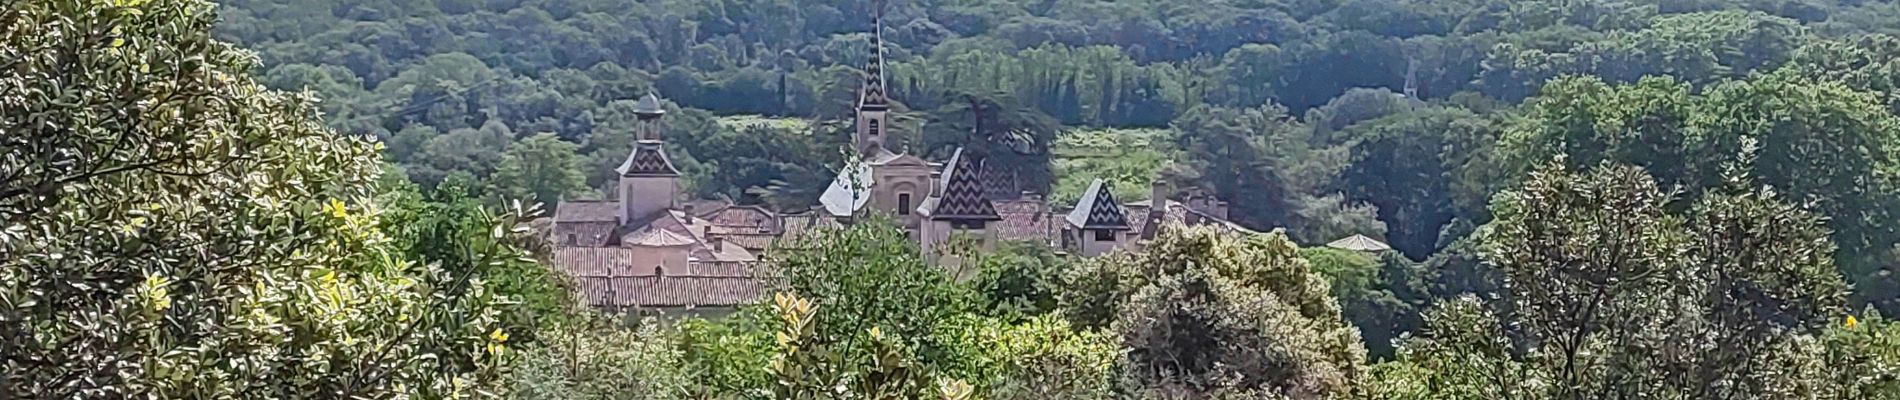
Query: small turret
{"x": 648, "y": 181}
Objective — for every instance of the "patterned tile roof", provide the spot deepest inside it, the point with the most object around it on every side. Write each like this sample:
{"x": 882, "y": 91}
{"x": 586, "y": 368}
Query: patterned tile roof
{"x": 1098, "y": 210}
{"x": 999, "y": 182}
{"x": 872, "y": 97}
{"x": 962, "y": 194}
{"x": 648, "y": 159}
{"x": 587, "y": 211}
{"x": 668, "y": 291}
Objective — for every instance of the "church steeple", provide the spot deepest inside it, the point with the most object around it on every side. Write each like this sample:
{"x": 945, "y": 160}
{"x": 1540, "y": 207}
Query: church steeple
{"x": 873, "y": 103}
{"x": 648, "y": 181}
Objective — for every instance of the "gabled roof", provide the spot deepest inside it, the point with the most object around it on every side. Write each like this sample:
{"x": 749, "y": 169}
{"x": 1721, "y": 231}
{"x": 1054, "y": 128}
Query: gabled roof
{"x": 730, "y": 252}
{"x": 883, "y": 157}
{"x": 666, "y": 291}
{"x": 651, "y": 237}
{"x": 1172, "y": 212}
{"x": 648, "y": 159}
{"x": 1359, "y": 243}
{"x": 1098, "y": 210}
{"x": 571, "y": 211}
{"x": 1023, "y": 220}
{"x": 961, "y": 194}
{"x": 849, "y": 192}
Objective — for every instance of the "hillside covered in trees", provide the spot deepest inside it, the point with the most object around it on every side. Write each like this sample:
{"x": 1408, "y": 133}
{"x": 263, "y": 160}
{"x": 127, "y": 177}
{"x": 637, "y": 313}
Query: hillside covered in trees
{"x": 1392, "y": 118}
{"x": 1688, "y": 199}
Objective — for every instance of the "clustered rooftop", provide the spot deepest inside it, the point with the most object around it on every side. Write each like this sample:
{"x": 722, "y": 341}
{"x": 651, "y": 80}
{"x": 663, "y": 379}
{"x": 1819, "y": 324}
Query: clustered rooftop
{"x": 647, "y": 249}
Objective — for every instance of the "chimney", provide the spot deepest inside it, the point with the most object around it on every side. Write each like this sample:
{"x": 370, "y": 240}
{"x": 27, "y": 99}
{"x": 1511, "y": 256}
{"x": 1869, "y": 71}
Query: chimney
{"x": 718, "y": 243}
{"x": 688, "y": 208}
{"x": 1158, "y": 198}
{"x": 936, "y": 184}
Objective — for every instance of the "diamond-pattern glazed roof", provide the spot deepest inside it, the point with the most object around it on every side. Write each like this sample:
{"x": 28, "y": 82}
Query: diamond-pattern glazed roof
{"x": 873, "y": 97}
{"x": 962, "y": 193}
{"x": 1098, "y": 210}
{"x": 648, "y": 159}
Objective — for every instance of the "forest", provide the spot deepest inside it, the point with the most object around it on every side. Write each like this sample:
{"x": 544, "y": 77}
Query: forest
{"x": 1587, "y": 199}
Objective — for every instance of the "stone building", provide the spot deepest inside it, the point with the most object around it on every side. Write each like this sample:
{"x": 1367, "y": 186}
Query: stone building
{"x": 648, "y": 249}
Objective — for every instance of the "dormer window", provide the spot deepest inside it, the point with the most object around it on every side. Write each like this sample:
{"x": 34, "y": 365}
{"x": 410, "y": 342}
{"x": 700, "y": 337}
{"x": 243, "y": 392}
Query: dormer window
{"x": 1104, "y": 235}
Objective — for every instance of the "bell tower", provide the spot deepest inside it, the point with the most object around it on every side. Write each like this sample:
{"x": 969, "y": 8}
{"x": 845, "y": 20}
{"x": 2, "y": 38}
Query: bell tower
{"x": 873, "y": 124}
{"x": 648, "y": 181}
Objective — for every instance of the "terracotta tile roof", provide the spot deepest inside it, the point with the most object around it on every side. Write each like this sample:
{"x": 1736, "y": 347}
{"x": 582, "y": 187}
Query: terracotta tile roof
{"x": 1175, "y": 212}
{"x": 706, "y": 207}
{"x": 668, "y": 291}
{"x": 962, "y": 193}
{"x": 581, "y": 262}
{"x": 742, "y": 220}
{"x": 800, "y": 225}
{"x": 650, "y": 237}
{"x": 1023, "y": 220}
{"x": 726, "y": 253}
{"x": 751, "y": 241}
{"x": 587, "y": 211}
{"x": 722, "y": 269}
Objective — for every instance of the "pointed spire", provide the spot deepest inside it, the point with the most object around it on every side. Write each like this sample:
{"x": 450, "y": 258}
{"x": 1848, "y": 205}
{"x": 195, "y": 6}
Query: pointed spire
{"x": 1097, "y": 209}
{"x": 959, "y": 193}
{"x": 872, "y": 95}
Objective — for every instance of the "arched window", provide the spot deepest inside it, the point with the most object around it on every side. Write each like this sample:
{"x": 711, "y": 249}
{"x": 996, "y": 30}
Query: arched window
{"x": 903, "y": 204}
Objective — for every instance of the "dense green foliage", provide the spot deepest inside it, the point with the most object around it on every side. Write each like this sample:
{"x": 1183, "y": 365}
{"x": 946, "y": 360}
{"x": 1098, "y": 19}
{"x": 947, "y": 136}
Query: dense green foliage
{"x": 1184, "y": 306}
{"x": 1682, "y": 199}
{"x": 1613, "y": 295}
{"x": 175, "y": 230}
